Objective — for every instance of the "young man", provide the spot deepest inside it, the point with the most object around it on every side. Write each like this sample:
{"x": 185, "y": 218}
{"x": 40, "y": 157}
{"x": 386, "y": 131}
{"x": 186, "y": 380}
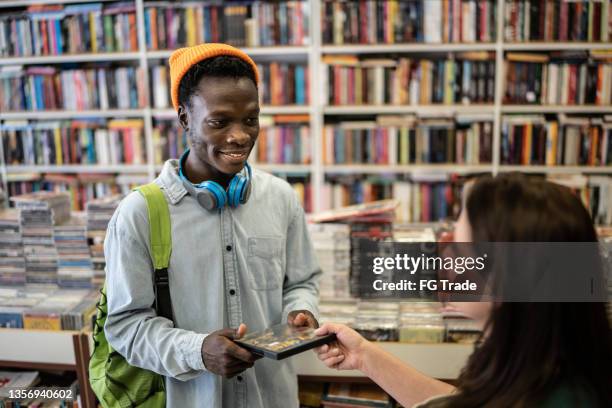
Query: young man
{"x": 240, "y": 254}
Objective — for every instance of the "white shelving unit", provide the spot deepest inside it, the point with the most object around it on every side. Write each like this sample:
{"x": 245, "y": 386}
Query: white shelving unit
{"x": 317, "y": 109}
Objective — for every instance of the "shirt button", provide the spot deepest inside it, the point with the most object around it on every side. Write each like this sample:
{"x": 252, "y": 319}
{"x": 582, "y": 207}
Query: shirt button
{"x": 239, "y": 378}
{"x": 228, "y": 248}
{"x": 232, "y": 292}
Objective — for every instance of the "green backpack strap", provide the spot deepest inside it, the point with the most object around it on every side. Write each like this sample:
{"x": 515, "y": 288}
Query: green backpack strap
{"x": 161, "y": 245}
{"x": 116, "y": 383}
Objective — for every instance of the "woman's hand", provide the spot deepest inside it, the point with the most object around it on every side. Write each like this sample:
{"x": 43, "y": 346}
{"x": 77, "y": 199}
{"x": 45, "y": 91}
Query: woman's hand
{"x": 347, "y": 352}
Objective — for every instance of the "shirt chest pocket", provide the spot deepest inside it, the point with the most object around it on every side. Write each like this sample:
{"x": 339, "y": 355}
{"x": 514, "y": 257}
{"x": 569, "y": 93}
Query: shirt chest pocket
{"x": 265, "y": 260}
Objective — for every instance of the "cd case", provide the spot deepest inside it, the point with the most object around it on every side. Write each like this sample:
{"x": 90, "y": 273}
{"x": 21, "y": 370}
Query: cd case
{"x": 282, "y": 341}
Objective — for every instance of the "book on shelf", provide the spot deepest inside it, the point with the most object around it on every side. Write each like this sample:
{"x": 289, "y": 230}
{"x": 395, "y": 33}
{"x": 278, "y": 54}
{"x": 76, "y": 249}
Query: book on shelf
{"x": 559, "y": 78}
{"x": 551, "y": 21}
{"x": 87, "y": 142}
{"x": 396, "y": 22}
{"x": 403, "y": 140}
{"x": 332, "y": 247}
{"x": 12, "y": 260}
{"x": 565, "y": 140}
{"x": 41, "y": 30}
{"x": 75, "y": 268}
{"x": 172, "y": 25}
{"x": 349, "y": 80}
{"x": 55, "y": 88}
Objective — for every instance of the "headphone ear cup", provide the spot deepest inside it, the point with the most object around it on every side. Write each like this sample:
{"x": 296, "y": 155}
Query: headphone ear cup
{"x": 218, "y": 198}
{"x": 206, "y": 199}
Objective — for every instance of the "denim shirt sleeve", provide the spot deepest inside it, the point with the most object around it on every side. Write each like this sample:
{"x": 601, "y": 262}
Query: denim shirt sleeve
{"x": 302, "y": 272}
{"x": 132, "y": 327}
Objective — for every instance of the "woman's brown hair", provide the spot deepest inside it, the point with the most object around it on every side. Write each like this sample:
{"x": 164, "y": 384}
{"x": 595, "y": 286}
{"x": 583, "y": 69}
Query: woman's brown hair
{"x": 533, "y": 350}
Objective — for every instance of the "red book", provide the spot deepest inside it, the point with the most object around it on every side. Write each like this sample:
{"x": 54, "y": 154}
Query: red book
{"x": 563, "y": 21}
{"x": 213, "y": 20}
{"x": 133, "y": 37}
{"x": 363, "y": 23}
{"x": 337, "y": 85}
{"x": 572, "y": 84}
{"x": 483, "y": 20}
{"x": 128, "y": 147}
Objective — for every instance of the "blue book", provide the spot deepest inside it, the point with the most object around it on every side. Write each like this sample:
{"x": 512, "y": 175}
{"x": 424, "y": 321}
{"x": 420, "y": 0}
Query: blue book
{"x": 147, "y": 21}
{"x": 58, "y": 37}
{"x": 300, "y": 85}
{"x": 11, "y": 317}
{"x": 38, "y": 92}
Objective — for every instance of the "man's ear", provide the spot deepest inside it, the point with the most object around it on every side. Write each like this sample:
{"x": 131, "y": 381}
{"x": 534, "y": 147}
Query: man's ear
{"x": 184, "y": 117}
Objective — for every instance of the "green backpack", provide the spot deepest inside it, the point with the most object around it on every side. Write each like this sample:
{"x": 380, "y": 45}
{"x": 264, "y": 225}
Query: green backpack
{"x": 116, "y": 383}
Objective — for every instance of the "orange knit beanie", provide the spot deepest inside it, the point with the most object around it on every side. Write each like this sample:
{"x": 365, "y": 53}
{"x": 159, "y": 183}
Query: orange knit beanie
{"x": 184, "y": 58}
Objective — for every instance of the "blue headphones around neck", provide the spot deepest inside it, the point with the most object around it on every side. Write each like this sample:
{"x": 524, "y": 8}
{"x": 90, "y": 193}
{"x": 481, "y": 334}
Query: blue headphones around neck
{"x": 211, "y": 196}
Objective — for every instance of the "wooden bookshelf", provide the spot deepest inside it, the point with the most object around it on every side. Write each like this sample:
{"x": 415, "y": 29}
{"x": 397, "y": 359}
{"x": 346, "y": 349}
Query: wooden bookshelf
{"x": 319, "y": 112}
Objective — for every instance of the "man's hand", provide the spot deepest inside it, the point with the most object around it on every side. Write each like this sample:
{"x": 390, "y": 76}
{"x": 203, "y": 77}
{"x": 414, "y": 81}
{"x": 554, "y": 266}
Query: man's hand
{"x": 224, "y": 357}
{"x": 301, "y": 318}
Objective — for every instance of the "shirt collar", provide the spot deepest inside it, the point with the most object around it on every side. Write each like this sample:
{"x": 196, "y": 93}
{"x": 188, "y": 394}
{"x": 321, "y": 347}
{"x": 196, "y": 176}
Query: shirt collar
{"x": 171, "y": 182}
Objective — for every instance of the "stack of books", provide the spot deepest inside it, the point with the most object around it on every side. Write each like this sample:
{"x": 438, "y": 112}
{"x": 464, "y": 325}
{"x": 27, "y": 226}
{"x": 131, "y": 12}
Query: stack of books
{"x": 72, "y": 29}
{"x": 59, "y": 143}
{"x": 408, "y": 140}
{"x": 99, "y": 213}
{"x": 565, "y": 140}
{"x": 557, "y": 21}
{"x": 40, "y": 211}
{"x": 75, "y": 269}
{"x": 470, "y": 78}
{"x": 12, "y": 261}
{"x": 559, "y": 78}
{"x": 332, "y": 246}
{"x": 393, "y": 21}
{"x": 49, "y": 88}
{"x": 172, "y": 25}
{"x": 285, "y": 140}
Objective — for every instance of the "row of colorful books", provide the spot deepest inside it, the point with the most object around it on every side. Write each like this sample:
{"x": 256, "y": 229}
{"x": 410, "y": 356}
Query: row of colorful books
{"x": 36, "y": 307}
{"x": 549, "y": 20}
{"x": 558, "y": 79}
{"x": 170, "y": 25}
{"x": 80, "y": 142}
{"x": 49, "y": 88}
{"x": 433, "y": 197}
{"x": 283, "y": 144}
{"x": 71, "y": 29}
{"x": 350, "y": 81}
{"x": 388, "y": 22}
{"x": 280, "y": 84}
{"x": 566, "y": 140}
{"x": 405, "y": 140}
{"x": 81, "y": 188}
{"x": 282, "y": 139}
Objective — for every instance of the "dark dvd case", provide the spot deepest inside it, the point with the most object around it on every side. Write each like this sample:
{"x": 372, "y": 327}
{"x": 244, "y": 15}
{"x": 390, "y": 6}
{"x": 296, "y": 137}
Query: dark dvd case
{"x": 282, "y": 341}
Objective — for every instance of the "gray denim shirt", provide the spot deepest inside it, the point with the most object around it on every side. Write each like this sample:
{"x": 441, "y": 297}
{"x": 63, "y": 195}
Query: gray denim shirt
{"x": 260, "y": 252}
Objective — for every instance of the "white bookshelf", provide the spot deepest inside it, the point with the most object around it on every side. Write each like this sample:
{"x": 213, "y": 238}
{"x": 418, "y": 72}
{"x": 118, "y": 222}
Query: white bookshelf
{"x": 317, "y": 110}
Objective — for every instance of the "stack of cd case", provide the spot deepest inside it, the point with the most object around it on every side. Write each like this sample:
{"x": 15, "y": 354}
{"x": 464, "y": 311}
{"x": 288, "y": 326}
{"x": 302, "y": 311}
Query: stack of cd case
{"x": 281, "y": 341}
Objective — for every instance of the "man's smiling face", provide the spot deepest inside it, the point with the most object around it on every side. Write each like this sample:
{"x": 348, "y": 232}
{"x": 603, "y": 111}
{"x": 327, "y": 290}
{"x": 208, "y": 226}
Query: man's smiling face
{"x": 223, "y": 123}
